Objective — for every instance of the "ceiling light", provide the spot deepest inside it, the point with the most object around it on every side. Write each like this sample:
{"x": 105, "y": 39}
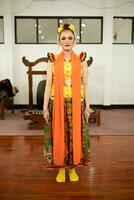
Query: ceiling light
{"x": 83, "y": 25}
{"x": 61, "y": 21}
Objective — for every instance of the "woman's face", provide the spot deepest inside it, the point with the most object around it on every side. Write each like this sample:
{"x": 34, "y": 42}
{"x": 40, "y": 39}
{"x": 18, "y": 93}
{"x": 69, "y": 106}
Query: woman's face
{"x": 66, "y": 40}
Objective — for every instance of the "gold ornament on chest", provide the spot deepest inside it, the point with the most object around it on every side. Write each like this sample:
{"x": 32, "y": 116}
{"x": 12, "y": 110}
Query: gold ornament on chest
{"x": 67, "y": 81}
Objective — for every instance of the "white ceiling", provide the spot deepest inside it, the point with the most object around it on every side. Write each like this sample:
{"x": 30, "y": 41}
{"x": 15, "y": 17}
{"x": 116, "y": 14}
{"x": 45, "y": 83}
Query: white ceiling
{"x": 53, "y": 0}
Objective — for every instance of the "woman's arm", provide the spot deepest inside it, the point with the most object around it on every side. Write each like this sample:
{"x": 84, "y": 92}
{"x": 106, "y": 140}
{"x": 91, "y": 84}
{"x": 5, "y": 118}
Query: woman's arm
{"x": 86, "y": 90}
{"x": 47, "y": 91}
{"x": 85, "y": 84}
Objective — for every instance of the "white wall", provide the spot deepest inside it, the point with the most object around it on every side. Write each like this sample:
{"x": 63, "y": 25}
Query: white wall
{"x": 113, "y": 64}
{"x": 123, "y": 65}
{"x": 6, "y": 64}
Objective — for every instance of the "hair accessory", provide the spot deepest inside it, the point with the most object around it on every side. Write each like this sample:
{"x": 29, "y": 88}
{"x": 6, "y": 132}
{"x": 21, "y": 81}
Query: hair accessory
{"x": 66, "y": 27}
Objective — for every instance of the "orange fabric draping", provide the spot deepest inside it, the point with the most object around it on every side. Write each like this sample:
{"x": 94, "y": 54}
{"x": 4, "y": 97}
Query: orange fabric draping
{"x": 58, "y": 110}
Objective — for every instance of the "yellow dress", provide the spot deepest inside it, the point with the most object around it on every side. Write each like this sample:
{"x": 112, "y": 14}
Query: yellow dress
{"x": 67, "y": 81}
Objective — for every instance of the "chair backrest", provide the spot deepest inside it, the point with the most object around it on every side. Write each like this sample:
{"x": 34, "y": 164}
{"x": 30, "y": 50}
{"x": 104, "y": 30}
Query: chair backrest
{"x": 40, "y": 94}
{"x": 32, "y": 72}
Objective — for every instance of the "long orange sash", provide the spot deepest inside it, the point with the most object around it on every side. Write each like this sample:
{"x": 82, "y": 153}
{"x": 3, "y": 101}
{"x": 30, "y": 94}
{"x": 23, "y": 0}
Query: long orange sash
{"x": 58, "y": 110}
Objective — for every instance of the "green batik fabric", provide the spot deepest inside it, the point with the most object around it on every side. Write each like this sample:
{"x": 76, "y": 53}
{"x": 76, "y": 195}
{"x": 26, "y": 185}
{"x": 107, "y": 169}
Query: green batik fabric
{"x": 48, "y": 146}
{"x": 85, "y": 136}
{"x": 47, "y": 143}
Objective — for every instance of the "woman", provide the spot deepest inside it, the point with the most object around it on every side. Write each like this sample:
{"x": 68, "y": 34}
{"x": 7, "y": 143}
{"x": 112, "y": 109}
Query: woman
{"x": 66, "y": 108}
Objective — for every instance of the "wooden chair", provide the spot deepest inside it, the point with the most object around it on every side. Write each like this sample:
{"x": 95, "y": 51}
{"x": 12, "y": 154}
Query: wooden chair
{"x": 2, "y": 107}
{"x": 4, "y": 104}
{"x": 7, "y": 93}
{"x": 95, "y": 116}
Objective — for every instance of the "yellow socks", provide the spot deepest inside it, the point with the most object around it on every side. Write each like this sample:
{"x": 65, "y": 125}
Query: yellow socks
{"x": 61, "y": 176}
{"x": 73, "y": 175}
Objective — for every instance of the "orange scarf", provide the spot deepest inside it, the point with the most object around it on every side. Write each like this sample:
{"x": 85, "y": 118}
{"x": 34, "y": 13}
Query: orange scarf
{"x": 58, "y": 110}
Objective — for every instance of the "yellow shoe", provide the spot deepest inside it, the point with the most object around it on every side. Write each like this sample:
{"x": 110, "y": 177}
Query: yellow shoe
{"x": 61, "y": 176}
{"x": 73, "y": 175}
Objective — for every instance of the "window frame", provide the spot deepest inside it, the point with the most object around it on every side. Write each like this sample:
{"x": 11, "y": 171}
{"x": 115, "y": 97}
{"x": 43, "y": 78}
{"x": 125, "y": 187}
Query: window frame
{"x": 101, "y": 39}
{"x": 15, "y": 29}
{"x": 132, "y": 32}
{"x": 1, "y": 17}
{"x": 58, "y": 18}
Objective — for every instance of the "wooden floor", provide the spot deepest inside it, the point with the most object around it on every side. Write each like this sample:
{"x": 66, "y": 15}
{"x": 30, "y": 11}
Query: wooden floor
{"x": 110, "y": 175}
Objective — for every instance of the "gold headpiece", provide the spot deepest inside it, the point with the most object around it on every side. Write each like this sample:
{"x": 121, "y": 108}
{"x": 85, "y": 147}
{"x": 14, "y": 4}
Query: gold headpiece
{"x": 66, "y": 27}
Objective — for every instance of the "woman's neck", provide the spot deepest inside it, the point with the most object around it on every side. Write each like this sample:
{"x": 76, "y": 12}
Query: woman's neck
{"x": 67, "y": 55}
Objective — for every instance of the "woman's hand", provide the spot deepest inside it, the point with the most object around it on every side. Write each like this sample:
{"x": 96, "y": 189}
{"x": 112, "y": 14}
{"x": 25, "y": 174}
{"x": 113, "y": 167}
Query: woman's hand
{"x": 87, "y": 114}
{"x": 46, "y": 115}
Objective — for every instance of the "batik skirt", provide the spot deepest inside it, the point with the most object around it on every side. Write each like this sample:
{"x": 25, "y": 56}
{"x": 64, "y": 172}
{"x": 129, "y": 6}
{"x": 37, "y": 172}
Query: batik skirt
{"x": 48, "y": 139}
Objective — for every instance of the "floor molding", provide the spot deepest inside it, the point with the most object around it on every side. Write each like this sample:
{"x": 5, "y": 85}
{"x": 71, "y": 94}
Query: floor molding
{"x": 99, "y": 106}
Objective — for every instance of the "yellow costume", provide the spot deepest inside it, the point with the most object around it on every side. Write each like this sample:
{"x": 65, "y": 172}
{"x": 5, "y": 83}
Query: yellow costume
{"x": 67, "y": 81}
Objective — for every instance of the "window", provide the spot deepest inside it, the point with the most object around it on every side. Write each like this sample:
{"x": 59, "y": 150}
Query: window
{"x": 43, "y": 30}
{"x": 26, "y": 30}
{"x": 35, "y": 30}
{"x": 91, "y": 30}
{"x": 123, "y": 30}
{"x": 47, "y": 30}
{"x": 1, "y": 30}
